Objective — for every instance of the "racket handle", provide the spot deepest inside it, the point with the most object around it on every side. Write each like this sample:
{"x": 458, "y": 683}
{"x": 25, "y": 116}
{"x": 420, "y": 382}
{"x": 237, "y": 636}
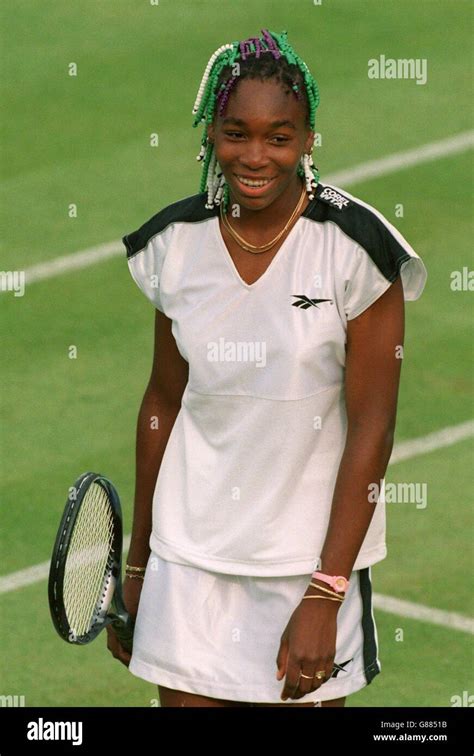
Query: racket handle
{"x": 124, "y": 632}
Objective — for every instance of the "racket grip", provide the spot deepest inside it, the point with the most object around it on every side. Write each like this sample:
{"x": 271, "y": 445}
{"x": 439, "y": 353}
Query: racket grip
{"x": 124, "y": 632}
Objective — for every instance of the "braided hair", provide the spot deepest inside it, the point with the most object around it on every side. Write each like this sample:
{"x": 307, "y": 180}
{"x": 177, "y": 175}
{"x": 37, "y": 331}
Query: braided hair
{"x": 267, "y": 57}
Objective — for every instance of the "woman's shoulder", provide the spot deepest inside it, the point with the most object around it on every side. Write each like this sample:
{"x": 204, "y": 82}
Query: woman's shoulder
{"x": 369, "y": 251}
{"x": 189, "y": 209}
{"x": 356, "y": 218}
{"x": 362, "y": 224}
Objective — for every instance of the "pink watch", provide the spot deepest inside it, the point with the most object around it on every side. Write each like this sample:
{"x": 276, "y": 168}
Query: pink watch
{"x": 338, "y": 583}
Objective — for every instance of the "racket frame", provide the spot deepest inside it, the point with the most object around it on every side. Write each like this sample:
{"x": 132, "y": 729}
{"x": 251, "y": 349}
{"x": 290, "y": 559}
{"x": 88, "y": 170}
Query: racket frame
{"x": 110, "y": 608}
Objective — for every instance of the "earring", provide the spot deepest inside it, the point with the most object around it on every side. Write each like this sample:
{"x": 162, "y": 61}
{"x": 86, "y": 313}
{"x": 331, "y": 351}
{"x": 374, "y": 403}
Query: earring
{"x": 307, "y": 162}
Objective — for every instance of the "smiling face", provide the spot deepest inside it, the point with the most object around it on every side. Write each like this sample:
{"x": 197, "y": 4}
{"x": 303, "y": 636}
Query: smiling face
{"x": 261, "y": 137}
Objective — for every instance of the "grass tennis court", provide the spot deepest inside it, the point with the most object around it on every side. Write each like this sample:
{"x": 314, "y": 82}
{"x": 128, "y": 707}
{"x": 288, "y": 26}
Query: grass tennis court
{"x": 85, "y": 140}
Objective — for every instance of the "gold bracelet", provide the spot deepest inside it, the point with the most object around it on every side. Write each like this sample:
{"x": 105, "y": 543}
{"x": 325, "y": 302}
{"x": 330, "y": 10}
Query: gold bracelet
{"x": 329, "y": 598}
{"x": 135, "y": 569}
{"x": 326, "y": 590}
{"x": 134, "y": 575}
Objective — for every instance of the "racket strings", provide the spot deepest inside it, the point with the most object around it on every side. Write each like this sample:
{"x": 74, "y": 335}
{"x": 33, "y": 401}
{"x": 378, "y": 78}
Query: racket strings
{"x": 88, "y": 562}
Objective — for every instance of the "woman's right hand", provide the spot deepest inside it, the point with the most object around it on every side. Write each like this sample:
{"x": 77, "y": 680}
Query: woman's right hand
{"x": 132, "y": 588}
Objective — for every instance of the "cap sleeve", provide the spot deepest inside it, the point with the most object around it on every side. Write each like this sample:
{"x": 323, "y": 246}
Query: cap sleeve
{"x": 145, "y": 261}
{"x": 375, "y": 266}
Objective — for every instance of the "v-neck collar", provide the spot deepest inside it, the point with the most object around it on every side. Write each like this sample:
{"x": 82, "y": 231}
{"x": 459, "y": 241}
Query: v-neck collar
{"x": 280, "y": 252}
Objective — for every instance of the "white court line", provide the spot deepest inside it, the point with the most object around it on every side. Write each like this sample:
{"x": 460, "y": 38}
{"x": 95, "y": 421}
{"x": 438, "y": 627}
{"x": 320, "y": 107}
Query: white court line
{"x": 425, "y": 613}
{"x": 372, "y": 169}
{"x": 437, "y": 440}
{"x": 74, "y": 261}
{"x": 401, "y": 451}
{"x": 400, "y": 160}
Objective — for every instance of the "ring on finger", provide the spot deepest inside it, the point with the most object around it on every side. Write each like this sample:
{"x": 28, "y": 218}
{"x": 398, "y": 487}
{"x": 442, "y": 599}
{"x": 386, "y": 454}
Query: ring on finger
{"x": 298, "y": 682}
{"x": 318, "y": 675}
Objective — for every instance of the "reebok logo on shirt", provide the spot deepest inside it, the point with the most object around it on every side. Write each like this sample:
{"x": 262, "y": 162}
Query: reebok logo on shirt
{"x": 304, "y": 302}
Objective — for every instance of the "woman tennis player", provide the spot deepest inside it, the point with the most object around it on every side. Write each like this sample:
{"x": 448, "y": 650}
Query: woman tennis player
{"x": 268, "y": 420}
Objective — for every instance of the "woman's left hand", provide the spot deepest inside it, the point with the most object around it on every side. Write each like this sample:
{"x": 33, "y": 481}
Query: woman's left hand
{"x": 307, "y": 645}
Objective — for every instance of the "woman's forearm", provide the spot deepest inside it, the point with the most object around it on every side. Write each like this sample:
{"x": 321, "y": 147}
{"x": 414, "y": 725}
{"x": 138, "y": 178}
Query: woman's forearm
{"x": 372, "y": 379}
{"x": 155, "y": 422}
{"x": 364, "y": 462}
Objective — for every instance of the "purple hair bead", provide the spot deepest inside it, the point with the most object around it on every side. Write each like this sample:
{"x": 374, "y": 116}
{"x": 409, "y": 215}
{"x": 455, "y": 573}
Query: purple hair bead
{"x": 224, "y": 94}
{"x": 272, "y": 46}
{"x": 246, "y": 51}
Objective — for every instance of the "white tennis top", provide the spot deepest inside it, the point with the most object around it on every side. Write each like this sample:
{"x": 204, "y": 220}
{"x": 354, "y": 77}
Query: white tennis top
{"x": 247, "y": 478}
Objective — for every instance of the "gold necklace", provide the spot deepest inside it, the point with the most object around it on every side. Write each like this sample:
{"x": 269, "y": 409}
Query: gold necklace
{"x": 258, "y": 249}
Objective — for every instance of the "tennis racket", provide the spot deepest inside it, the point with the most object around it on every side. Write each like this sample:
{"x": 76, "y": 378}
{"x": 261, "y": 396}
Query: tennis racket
{"x": 85, "y": 577}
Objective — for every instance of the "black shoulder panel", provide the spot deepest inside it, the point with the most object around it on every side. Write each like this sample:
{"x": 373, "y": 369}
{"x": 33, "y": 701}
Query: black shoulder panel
{"x": 361, "y": 224}
{"x": 188, "y": 210}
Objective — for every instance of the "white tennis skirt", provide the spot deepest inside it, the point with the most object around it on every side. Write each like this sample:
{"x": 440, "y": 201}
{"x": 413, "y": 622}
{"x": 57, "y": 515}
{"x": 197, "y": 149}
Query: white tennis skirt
{"x": 218, "y": 635}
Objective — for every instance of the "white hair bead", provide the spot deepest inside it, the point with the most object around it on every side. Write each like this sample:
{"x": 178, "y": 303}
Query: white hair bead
{"x": 207, "y": 71}
{"x": 307, "y": 161}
